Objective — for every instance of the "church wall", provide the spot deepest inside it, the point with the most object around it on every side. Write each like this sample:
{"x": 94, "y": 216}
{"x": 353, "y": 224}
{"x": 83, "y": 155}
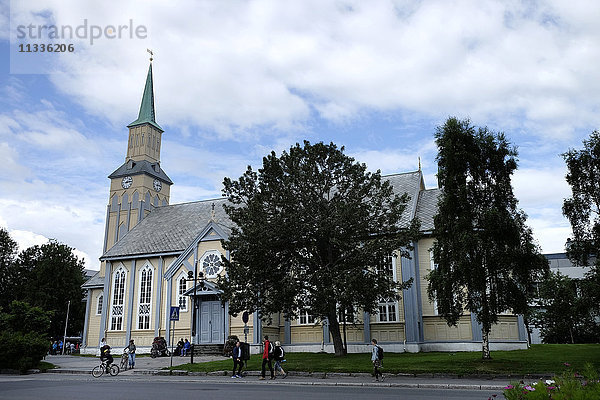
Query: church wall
{"x": 306, "y": 333}
{"x": 507, "y": 328}
{"x": 387, "y": 332}
{"x": 435, "y": 328}
{"x": 94, "y": 320}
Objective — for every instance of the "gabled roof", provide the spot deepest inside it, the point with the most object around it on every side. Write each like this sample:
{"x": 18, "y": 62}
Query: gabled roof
{"x": 411, "y": 183}
{"x": 147, "y": 114}
{"x": 95, "y": 281}
{"x": 169, "y": 229}
{"x": 132, "y": 167}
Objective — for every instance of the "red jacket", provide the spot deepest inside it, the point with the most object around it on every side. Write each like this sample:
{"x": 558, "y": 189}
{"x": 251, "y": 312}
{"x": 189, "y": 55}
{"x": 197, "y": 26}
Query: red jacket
{"x": 266, "y": 350}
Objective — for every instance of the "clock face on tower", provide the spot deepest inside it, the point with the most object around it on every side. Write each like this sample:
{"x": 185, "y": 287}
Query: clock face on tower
{"x": 126, "y": 182}
{"x": 157, "y": 185}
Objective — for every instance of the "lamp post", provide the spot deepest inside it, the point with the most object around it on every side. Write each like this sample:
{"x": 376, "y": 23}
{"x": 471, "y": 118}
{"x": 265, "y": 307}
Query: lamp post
{"x": 197, "y": 276}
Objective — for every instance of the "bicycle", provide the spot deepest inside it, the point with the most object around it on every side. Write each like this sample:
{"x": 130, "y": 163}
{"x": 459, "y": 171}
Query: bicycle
{"x": 101, "y": 369}
{"x": 124, "y": 360}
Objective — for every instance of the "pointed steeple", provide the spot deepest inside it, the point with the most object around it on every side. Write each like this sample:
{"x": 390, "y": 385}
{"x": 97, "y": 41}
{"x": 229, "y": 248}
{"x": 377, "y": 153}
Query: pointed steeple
{"x": 147, "y": 114}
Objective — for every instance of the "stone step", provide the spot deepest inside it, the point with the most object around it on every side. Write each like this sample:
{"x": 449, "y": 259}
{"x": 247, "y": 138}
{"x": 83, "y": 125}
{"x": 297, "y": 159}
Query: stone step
{"x": 208, "y": 349}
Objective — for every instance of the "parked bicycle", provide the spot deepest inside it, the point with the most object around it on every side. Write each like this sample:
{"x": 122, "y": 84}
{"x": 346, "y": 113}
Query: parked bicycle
{"x": 124, "y": 360}
{"x": 101, "y": 369}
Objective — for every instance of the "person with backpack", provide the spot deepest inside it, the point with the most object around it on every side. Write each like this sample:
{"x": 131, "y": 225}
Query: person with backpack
{"x": 105, "y": 353}
{"x": 377, "y": 359}
{"x": 267, "y": 357}
{"x": 279, "y": 358}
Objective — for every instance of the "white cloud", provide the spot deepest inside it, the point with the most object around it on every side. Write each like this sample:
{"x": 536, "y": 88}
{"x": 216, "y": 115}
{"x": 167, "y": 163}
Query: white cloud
{"x": 235, "y": 65}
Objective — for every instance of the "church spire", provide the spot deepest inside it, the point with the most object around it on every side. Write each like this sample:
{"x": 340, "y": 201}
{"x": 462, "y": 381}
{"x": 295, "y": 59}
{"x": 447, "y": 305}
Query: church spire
{"x": 147, "y": 114}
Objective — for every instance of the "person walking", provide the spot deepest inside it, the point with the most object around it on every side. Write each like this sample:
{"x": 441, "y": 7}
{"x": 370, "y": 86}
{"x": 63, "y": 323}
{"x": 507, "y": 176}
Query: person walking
{"x": 237, "y": 360}
{"x": 131, "y": 348}
{"x": 279, "y": 358}
{"x": 266, "y": 358}
{"x": 377, "y": 362}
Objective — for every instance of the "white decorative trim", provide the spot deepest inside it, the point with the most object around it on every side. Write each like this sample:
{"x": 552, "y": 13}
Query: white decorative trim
{"x": 209, "y": 258}
{"x": 433, "y": 267}
{"x": 117, "y": 305}
{"x": 99, "y": 303}
{"x": 388, "y": 314}
{"x": 180, "y": 295}
{"x": 146, "y": 306}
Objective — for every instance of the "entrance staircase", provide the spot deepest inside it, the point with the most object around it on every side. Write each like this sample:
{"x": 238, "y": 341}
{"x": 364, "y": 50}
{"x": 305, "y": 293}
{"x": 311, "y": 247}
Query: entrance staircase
{"x": 208, "y": 349}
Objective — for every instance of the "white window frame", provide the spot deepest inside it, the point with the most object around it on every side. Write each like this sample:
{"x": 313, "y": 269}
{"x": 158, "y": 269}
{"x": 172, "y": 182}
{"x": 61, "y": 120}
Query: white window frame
{"x": 144, "y": 317}
{"x": 433, "y": 266}
{"x": 203, "y": 259}
{"x": 117, "y": 307}
{"x": 304, "y": 315}
{"x": 99, "y": 303}
{"x": 392, "y": 259}
{"x": 384, "y": 305}
{"x": 180, "y": 295}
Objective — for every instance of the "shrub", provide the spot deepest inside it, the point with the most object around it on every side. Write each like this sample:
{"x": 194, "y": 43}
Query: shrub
{"x": 23, "y": 336}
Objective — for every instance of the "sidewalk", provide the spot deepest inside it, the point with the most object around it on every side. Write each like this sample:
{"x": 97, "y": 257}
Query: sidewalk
{"x": 146, "y": 367}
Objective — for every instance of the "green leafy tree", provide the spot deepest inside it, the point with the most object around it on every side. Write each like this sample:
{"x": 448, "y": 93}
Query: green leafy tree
{"x": 54, "y": 276}
{"x": 311, "y": 228}
{"x": 485, "y": 254}
{"x": 583, "y": 211}
{"x": 8, "y": 256}
{"x": 562, "y": 314}
{"x": 23, "y": 334}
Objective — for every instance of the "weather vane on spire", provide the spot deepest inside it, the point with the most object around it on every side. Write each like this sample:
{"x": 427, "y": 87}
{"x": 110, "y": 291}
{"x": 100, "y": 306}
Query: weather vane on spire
{"x": 151, "y": 54}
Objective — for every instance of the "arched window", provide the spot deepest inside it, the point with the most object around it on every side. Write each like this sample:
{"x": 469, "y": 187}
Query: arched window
{"x": 212, "y": 264}
{"x": 99, "y": 305}
{"x": 181, "y": 289}
{"x": 118, "y": 291}
{"x": 145, "y": 300}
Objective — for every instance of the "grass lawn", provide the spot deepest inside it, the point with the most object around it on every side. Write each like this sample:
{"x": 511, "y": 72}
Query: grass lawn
{"x": 541, "y": 358}
{"x": 45, "y": 366}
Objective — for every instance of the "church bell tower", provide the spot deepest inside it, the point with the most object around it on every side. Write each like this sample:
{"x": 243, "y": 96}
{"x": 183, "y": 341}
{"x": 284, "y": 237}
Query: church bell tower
{"x": 140, "y": 184}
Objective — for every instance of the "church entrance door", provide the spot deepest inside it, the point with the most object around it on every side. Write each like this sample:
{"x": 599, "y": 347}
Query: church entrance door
{"x": 211, "y": 322}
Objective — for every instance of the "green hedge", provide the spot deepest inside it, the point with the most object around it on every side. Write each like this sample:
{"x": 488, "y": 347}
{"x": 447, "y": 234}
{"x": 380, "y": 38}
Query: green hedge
{"x": 23, "y": 336}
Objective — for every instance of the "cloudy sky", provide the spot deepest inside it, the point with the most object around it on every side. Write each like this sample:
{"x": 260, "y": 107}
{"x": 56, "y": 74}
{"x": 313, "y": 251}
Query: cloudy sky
{"x": 237, "y": 79}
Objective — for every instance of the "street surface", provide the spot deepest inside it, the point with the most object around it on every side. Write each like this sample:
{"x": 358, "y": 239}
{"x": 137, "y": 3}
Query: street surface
{"x": 148, "y": 387}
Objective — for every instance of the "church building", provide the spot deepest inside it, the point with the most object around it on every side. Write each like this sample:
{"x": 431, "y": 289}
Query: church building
{"x": 152, "y": 247}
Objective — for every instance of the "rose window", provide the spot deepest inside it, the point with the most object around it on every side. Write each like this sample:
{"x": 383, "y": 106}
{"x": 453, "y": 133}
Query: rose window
{"x": 212, "y": 265}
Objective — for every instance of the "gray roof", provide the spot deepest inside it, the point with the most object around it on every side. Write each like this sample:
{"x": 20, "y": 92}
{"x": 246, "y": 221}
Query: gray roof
{"x": 427, "y": 208}
{"x": 94, "y": 282}
{"x": 141, "y": 167}
{"x": 408, "y": 182}
{"x": 169, "y": 229}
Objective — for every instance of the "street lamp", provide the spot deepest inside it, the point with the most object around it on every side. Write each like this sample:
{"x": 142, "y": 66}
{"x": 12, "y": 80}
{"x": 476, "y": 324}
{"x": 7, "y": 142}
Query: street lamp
{"x": 194, "y": 276}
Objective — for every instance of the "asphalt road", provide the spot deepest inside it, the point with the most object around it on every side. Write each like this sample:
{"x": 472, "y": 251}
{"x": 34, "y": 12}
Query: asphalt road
{"x": 61, "y": 387}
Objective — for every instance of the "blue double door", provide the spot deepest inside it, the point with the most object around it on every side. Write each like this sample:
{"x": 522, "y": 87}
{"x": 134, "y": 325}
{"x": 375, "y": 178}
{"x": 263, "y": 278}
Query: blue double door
{"x": 211, "y": 321}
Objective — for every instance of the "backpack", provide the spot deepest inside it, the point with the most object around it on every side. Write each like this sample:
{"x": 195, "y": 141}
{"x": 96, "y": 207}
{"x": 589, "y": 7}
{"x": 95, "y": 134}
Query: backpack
{"x": 281, "y": 354}
{"x": 271, "y": 351}
{"x": 379, "y": 353}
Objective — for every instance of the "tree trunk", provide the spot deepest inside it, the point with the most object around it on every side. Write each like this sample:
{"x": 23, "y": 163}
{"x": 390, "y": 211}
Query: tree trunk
{"x": 344, "y": 326}
{"x": 334, "y": 330}
{"x": 485, "y": 344}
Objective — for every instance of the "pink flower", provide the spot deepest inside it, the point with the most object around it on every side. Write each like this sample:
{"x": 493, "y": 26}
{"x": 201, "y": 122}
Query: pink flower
{"x": 509, "y": 387}
{"x": 551, "y": 387}
{"x": 528, "y": 387}
{"x": 567, "y": 364}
